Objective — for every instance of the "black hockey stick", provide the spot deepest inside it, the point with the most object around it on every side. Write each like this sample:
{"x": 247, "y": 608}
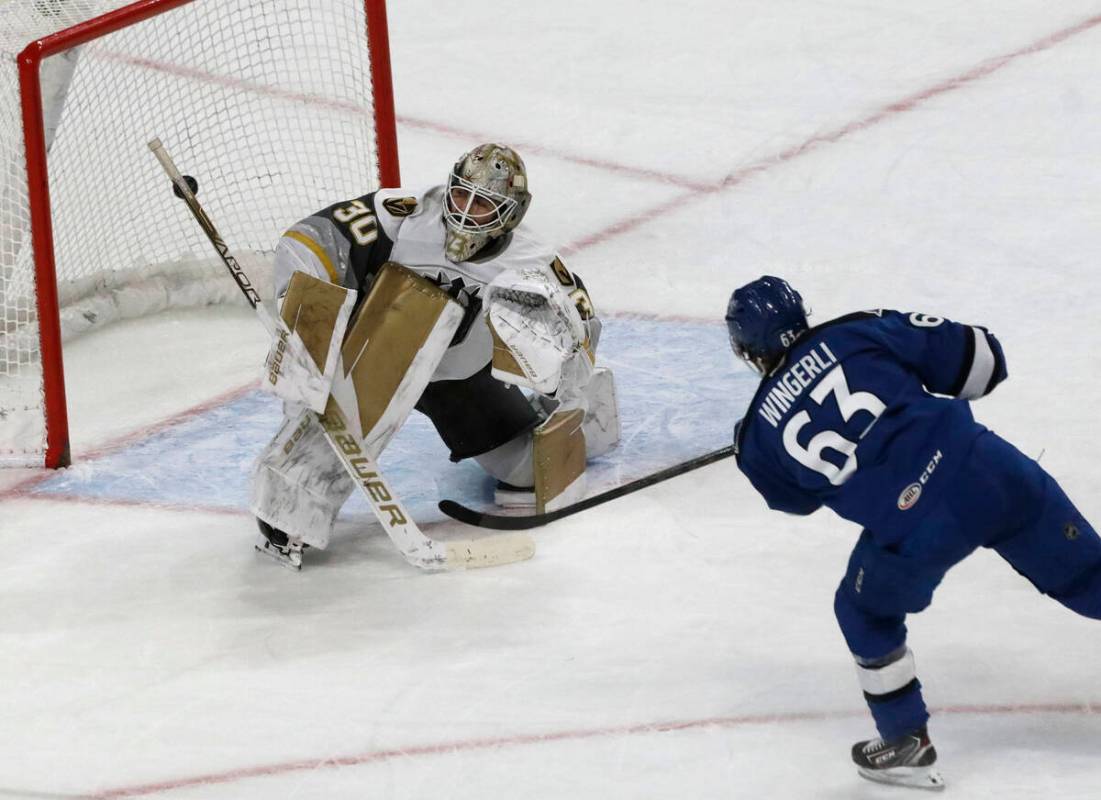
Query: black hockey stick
{"x": 503, "y": 522}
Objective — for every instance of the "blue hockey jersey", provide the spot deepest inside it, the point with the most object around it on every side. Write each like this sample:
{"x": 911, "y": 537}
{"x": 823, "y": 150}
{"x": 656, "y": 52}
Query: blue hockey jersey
{"x": 868, "y": 415}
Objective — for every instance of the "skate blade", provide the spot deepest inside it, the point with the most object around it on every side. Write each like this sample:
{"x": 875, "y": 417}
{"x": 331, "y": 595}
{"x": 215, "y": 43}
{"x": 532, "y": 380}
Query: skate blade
{"x": 912, "y": 777}
{"x": 291, "y": 560}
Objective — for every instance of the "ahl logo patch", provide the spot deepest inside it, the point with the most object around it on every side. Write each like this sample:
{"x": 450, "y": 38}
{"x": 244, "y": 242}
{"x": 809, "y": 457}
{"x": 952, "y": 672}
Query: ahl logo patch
{"x": 400, "y": 206}
{"x": 909, "y": 497}
{"x": 912, "y": 493}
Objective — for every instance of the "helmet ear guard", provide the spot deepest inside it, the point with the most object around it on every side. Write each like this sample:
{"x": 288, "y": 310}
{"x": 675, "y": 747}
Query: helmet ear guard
{"x": 486, "y": 197}
{"x": 764, "y": 319}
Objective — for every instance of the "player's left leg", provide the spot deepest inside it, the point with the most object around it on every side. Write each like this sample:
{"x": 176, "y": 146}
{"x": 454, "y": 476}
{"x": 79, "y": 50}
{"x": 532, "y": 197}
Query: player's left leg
{"x": 879, "y": 589}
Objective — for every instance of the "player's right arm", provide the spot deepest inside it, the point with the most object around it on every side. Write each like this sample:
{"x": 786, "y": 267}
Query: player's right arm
{"x": 964, "y": 361}
{"x": 779, "y": 494}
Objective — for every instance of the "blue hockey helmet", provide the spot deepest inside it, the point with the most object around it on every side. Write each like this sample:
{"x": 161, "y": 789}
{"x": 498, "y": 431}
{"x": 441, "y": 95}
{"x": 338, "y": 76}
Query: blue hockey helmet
{"x": 765, "y": 317}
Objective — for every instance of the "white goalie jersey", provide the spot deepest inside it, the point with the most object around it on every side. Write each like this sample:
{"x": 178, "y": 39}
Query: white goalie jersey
{"x": 348, "y": 242}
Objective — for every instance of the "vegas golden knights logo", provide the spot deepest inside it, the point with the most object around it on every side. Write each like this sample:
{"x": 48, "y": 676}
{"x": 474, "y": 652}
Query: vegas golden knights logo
{"x": 560, "y": 272}
{"x": 400, "y": 206}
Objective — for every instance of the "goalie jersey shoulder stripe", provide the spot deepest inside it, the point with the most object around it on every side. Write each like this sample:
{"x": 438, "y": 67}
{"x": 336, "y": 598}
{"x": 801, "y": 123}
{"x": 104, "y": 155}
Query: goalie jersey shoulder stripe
{"x": 317, "y": 251}
{"x": 353, "y": 238}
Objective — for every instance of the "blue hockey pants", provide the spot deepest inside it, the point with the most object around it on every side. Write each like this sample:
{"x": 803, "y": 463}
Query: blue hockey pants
{"x": 1000, "y": 499}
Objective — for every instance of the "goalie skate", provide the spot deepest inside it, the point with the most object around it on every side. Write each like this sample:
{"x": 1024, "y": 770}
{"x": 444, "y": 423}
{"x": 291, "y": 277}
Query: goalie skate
{"x": 905, "y": 761}
{"x": 275, "y": 544}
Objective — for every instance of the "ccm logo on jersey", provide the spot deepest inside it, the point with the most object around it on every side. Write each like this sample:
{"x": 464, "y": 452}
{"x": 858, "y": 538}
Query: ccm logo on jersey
{"x": 912, "y": 493}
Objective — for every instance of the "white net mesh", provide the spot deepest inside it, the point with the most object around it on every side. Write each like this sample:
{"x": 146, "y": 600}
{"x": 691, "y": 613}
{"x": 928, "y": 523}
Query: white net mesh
{"x": 267, "y": 102}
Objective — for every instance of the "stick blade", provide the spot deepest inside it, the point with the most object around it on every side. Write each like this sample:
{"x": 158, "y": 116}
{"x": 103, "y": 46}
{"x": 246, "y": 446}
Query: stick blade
{"x": 498, "y": 522}
{"x": 491, "y": 551}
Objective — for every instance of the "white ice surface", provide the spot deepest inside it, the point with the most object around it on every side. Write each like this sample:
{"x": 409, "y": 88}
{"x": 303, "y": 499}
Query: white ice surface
{"x": 678, "y": 643}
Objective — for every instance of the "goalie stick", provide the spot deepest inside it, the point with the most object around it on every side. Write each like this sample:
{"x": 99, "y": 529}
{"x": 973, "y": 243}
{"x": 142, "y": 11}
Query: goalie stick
{"x": 516, "y": 523}
{"x": 418, "y": 549}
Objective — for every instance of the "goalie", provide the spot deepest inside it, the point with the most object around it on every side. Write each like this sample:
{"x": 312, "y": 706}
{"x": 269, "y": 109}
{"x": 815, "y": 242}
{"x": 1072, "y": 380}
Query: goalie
{"x": 436, "y": 300}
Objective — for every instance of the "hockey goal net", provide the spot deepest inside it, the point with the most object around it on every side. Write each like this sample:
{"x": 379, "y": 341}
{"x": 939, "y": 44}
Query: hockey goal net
{"x": 279, "y": 107}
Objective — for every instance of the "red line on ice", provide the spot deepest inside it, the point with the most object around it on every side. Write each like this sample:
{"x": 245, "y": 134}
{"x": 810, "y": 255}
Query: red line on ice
{"x": 526, "y": 148}
{"x": 22, "y": 488}
{"x": 79, "y": 499}
{"x": 519, "y": 740}
{"x": 697, "y": 190}
{"x": 908, "y": 103}
{"x": 358, "y": 109}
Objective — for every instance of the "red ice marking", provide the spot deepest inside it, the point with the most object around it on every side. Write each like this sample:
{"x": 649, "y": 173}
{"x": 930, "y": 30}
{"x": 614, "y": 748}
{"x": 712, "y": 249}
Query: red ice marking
{"x": 908, "y": 103}
{"x": 358, "y": 109}
{"x": 520, "y": 740}
{"x": 189, "y": 508}
{"x": 23, "y": 488}
{"x": 697, "y": 190}
{"x": 531, "y": 148}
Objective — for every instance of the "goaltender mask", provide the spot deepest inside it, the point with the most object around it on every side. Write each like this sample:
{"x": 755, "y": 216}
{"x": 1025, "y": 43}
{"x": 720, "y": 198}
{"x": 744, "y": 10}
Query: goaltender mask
{"x": 506, "y": 376}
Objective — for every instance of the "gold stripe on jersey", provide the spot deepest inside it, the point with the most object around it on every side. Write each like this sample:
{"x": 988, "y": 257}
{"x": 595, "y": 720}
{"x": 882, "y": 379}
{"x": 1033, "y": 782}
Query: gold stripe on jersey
{"x": 318, "y": 251}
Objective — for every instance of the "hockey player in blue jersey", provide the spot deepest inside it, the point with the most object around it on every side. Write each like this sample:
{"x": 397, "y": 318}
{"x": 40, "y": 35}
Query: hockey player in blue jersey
{"x": 869, "y": 415}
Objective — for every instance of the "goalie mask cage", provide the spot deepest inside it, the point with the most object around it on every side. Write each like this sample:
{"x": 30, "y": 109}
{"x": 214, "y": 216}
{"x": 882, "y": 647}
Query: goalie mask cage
{"x": 279, "y": 107}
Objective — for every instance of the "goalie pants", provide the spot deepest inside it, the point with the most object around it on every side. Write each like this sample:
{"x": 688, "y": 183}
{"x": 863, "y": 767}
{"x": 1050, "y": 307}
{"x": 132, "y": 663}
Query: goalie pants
{"x": 299, "y": 485}
{"x": 1002, "y": 500}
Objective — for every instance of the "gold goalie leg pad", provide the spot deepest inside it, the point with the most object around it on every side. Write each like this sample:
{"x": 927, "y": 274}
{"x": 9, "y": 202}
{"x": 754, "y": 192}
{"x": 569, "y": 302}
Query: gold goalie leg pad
{"x": 558, "y": 448}
{"x": 397, "y": 339}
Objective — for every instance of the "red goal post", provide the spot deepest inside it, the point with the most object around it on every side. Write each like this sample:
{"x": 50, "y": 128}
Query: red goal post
{"x": 284, "y": 106}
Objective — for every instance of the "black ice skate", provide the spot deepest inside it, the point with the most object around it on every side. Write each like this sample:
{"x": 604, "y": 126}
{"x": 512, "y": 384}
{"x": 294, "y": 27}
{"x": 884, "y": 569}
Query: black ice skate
{"x": 905, "y": 761}
{"x": 277, "y": 545}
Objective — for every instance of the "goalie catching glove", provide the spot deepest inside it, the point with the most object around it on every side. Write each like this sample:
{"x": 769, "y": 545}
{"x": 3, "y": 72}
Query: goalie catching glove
{"x": 540, "y": 341}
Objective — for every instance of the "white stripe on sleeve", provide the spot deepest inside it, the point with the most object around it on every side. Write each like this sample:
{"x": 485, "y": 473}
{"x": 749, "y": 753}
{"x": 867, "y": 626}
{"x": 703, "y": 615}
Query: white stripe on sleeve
{"x": 982, "y": 368}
